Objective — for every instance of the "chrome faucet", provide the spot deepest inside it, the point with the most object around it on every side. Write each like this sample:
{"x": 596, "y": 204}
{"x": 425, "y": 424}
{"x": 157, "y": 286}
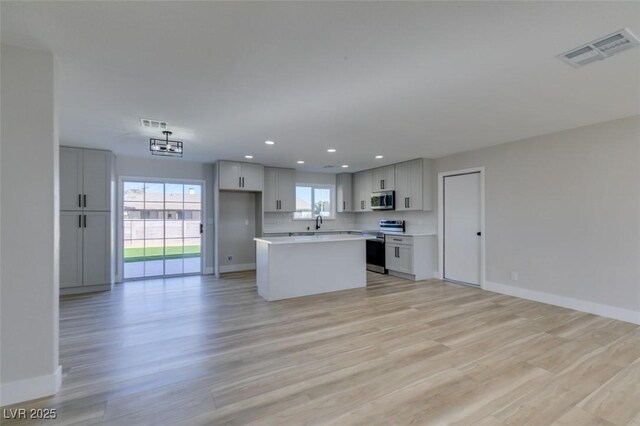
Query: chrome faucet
{"x": 318, "y": 224}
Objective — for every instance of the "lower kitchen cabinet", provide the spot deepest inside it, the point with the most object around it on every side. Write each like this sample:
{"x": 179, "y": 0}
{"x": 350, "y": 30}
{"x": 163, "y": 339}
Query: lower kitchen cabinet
{"x": 413, "y": 258}
{"x": 85, "y": 251}
{"x": 399, "y": 258}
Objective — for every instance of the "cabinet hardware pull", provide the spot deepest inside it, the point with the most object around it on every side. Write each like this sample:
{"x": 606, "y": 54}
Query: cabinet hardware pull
{"x": 239, "y": 182}
{"x": 85, "y": 220}
{"x": 243, "y": 181}
{"x": 344, "y": 205}
{"x": 85, "y": 199}
{"x": 79, "y": 200}
{"x": 201, "y": 228}
{"x": 79, "y": 221}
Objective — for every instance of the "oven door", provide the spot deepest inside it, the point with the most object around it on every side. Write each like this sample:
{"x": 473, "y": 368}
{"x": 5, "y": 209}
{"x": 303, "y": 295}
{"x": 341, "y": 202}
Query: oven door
{"x": 375, "y": 256}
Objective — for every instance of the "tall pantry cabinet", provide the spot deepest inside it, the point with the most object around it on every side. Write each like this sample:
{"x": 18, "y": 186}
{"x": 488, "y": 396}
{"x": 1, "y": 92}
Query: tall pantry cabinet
{"x": 87, "y": 214}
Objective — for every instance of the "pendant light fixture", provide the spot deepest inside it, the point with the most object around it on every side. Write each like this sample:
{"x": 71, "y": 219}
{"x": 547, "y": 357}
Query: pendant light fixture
{"x": 165, "y": 147}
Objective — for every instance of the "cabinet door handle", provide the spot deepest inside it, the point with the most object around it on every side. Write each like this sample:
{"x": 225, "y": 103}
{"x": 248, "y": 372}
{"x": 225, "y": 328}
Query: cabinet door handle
{"x": 79, "y": 200}
{"x": 85, "y": 220}
{"x": 239, "y": 182}
{"x": 85, "y": 199}
{"x": 79, "y": 221}
{"x": 243, "y": 181}
{"x": 344, "y": 205}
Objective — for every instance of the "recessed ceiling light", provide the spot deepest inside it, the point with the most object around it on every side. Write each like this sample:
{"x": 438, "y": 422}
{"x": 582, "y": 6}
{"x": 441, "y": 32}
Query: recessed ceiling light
{"x": 331, "y": 150}
{"x": 269, "y": 142}
{"x": 344, "y": 166}
{"x": 300, "y": 162}
{"x": 379, "y": 156}
{"x": 248, "y": 156}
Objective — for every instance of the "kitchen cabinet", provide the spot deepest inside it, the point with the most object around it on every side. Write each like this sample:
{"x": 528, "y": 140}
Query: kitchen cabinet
{"x": 85, "y": 179}
{"x": 414, "y": 185}
{"x": 238, "y": 176}
{"x": 362, "y": 191}
{"x": 279, "y": 190}
{"x": 408, "y": 257}
{"x": 399, "y": 258}
{"x": 96, "y": 253}
{"x": 344, "y": 192}
{"x": 85, "y": 249}
{"x": 383, "y": 178}
{"x": 70, "y": 249}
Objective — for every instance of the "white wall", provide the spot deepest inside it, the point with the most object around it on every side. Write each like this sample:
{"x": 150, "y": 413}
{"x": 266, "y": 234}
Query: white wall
{"x": 237, "y": 230}
{"x": 170, "y": 168}
{"x": 563, "y": 210}
{"x": 29, "y": 226}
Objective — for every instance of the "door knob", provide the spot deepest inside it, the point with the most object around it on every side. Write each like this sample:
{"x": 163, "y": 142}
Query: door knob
{"x": 478, "y": 233}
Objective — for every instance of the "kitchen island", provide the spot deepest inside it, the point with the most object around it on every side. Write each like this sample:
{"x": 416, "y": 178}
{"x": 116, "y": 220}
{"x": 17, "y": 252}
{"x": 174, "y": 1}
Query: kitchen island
{"x": 297, "y": 266}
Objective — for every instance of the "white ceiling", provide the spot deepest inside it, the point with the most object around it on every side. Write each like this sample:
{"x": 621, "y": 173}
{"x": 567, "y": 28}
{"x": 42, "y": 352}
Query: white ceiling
{"x": 398, "y": 79}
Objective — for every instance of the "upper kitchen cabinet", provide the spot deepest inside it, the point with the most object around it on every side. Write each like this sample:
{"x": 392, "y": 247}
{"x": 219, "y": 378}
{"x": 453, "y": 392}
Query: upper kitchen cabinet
{"x": 383, "y": 178}
{"x": 86, "y": 178}
{"x": 362, "y": 191}
{"x": 279, "y": 190}
{"x": 344, "y": 192}
{"x": 413, "y": 185}
{"x": 237, "y": 176}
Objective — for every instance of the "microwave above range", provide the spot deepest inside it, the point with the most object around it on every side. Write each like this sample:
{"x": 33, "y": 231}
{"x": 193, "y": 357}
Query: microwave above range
{"x": 383, "y": 200}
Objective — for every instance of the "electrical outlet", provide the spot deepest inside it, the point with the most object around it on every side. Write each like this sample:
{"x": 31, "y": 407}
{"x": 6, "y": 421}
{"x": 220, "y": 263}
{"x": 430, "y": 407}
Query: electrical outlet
{"x": 514, "y": 276}
{"x": 230, "y": 258}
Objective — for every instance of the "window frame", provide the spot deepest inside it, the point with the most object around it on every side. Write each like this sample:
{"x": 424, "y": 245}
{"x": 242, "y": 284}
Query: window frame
{"x": 313, "y": 186}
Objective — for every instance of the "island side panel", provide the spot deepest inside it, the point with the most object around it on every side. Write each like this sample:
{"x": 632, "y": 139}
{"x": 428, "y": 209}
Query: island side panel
{"x": 305, "y": 269}
{"x": 262, "y": 269}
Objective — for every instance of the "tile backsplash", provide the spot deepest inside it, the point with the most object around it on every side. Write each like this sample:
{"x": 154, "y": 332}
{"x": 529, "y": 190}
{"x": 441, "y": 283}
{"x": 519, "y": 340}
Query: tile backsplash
{"x": 416, "y": 221}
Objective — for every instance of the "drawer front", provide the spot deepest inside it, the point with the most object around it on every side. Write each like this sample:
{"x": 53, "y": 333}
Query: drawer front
{"x": 398, "y": 239}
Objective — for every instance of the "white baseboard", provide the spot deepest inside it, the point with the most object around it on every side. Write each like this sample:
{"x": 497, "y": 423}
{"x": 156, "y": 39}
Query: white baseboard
{"x": 65, "y": 291}
{"x": 237, "y": 268}
{"x": 608, "y": 311}
{"x": 32, "y": 388}
{"x": 208, "y": 271}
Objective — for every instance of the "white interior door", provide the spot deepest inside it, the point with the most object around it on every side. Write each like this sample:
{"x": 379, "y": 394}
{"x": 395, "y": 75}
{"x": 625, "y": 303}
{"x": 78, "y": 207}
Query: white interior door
{"x": 462, "y": 227}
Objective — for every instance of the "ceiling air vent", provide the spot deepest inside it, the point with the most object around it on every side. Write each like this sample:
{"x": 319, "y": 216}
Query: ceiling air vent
{"x": 153, "y": 124}
{"x": 600, "y": 49}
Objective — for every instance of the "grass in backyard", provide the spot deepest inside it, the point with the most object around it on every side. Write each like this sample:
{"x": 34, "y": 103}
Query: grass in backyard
{"x": 137, "y": 254}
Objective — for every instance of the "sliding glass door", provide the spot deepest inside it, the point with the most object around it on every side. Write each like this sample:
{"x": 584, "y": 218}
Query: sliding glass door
{"x": 162, "y": 228}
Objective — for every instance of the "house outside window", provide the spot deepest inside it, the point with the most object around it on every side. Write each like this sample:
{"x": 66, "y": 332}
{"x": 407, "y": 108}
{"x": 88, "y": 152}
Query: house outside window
{"x": 314, "y": 200}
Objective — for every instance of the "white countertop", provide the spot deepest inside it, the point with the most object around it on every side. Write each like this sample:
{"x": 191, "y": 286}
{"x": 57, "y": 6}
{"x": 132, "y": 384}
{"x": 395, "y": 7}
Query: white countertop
{"x": 306, "y": 239}
{"x": 321, "y": 231}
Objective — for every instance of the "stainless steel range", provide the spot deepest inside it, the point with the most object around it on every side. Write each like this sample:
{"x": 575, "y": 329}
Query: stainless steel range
{"x": 375, "y": 246}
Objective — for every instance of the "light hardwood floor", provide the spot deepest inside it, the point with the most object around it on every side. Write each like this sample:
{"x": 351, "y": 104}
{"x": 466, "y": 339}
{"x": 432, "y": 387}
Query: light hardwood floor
{"x": 198, "y": 351}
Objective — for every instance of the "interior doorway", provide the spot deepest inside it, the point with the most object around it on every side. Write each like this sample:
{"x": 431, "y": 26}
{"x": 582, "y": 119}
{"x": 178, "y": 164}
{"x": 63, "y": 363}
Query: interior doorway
{"x": 461, "y": 226}
{"x": 162, "y": 228}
